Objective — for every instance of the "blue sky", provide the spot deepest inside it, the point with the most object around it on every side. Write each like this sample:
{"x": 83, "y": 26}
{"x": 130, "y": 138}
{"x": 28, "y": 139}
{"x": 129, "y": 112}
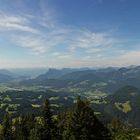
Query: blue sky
{"x": 69, "y": 33}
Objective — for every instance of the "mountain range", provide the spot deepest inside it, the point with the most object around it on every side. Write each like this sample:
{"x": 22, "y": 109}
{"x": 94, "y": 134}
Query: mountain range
{"x": 107, "y": 79}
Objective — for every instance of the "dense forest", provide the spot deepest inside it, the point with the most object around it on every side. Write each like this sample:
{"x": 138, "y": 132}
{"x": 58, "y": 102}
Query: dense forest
{"x": 78, "y": 122}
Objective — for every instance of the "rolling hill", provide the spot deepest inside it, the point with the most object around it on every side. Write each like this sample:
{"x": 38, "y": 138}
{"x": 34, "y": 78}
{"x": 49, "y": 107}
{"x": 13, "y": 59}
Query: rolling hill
{"x": 124, "y": 104}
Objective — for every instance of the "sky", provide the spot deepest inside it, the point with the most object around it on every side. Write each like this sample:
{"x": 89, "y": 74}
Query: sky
{"x": 69, "y": 33}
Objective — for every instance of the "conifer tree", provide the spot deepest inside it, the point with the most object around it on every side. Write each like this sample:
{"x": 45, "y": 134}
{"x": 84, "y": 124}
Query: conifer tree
{"x": 83, "y": 124}
{"x": 18, "y": 135}
{"x": 34, "y": 135}
{"x": 48, "y": 124}
{"x": 7, "y": 128}
{"x": 120, "y": 131}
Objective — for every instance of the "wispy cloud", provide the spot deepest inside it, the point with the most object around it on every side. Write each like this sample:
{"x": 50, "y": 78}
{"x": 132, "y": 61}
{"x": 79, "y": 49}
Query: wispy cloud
{"x": 44, "y": 35}
{"x": 92, "y": 41}
{"x": 15, "y": 23}
{"x": 34, "y": 43}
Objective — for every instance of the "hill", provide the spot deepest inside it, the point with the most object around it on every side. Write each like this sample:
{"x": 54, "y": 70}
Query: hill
{"x": 124, "y": 104}
{"x": 6, "y": 76}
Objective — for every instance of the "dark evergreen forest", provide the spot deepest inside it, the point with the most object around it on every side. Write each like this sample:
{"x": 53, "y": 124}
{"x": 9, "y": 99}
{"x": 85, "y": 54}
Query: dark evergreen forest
{"x": 77, "y": 123}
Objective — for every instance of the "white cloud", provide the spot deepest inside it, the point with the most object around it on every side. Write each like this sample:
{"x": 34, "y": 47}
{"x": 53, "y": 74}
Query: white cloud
{"x": 39, "y": 43}
{"x": 35, "y": 43}
{"x": 15, "y": 23}
{"x": 125, "y": 59}
{"x": 129, "y": 58}
{"x": 43, "y": 35}
{"x": 92, "y": 42}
